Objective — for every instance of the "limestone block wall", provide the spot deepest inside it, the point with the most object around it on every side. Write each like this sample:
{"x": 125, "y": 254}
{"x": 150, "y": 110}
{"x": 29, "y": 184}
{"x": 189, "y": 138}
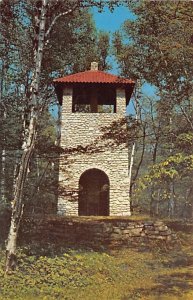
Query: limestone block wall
{"x": 86, "y": 130}
{"x": 94, "y": 232}
{"x": 121, "y": 101}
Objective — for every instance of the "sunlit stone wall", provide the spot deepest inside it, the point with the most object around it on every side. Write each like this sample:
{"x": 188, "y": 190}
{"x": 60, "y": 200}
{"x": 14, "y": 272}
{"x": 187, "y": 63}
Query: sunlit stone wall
{"x": 85, "y": 130}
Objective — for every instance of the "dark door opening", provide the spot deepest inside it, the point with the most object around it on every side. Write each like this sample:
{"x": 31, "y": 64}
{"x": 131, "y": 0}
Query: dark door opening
{"x": 93, "y": 193}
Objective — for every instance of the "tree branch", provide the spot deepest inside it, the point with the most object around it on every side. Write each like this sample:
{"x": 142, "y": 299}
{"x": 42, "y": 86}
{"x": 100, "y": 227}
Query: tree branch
{"x": 186, "y": 116}
{"x": 141, "y": 158}
{"x": 57, "y": 17}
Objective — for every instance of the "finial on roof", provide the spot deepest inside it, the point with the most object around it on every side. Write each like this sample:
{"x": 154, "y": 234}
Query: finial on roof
{"x": 94, "y": 66}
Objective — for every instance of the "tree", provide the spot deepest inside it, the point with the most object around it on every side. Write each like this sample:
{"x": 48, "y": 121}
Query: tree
{"x": 44, "y": 15}
{"x": 72, "y": 54}
{"x": 157, "y": 46}
{"x": 103, "y": 49}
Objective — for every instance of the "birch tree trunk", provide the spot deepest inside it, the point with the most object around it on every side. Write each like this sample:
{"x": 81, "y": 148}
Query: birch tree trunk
{"x": 41, "y": 37}
{"x": 171, "y": 200}
{"x": 29, "y": 142}
{"x": 131, "y": 168}
{"x": 2, "y": 192}
{"x": 2, "y": 151}
{"x": 133, "y": 146}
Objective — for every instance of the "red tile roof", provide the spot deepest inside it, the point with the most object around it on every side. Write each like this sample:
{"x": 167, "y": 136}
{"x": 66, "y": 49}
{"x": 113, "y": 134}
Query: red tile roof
{"x": 94, "y": 77}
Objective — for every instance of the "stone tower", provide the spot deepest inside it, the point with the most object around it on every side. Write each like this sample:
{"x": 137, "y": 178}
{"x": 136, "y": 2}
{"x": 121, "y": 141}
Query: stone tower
{"x": 93, "y": 174}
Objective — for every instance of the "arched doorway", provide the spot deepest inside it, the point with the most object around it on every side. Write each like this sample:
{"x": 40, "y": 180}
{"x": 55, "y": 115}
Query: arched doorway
{"x": 93, "y": 193}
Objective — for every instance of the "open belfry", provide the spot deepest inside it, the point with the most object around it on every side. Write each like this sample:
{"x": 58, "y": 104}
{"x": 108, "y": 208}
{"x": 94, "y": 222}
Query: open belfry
{"x": 93, "y": 174}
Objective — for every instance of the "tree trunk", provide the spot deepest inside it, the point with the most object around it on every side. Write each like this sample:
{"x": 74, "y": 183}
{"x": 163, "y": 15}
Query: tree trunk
{"x": 157, "y": 203}
{"x": 2, "y": 152}
{"x": 140, "y": 161}
{"x": 57, "y": 158}
{"x": 17, "y": 204}
{"x": 154, "y": 158}
{"x": 28, "y": 144}
{"x": 171, "y": 201}
{"x": 130, "y": 173}
{"x": 131, "y": 166}
{"x": 136, "y": 104}
{"x": 2, "y": 183}
{"x": 151, "y": 210}
{"x": 189, "y": 204}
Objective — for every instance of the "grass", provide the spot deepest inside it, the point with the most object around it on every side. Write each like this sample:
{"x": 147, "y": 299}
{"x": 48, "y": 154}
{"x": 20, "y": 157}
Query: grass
{"x": 126, "y": 274}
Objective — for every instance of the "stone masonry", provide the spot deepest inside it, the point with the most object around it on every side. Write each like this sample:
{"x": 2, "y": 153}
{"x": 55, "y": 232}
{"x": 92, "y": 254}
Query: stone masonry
{"x": 95, "y": 232}
{"x": 83, "y": 129}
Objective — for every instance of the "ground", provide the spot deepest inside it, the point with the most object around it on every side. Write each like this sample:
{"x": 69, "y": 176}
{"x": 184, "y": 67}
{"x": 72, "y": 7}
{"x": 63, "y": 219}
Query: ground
{"x": 126, "y": 274}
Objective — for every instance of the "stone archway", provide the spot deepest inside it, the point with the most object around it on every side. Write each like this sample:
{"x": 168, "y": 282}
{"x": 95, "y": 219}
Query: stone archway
{"x": 93, "y": 193}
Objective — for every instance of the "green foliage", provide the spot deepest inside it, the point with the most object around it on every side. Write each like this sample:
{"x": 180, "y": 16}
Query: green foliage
{"x": 176, "y": 166}
{"x": 184, "y": 142}
{"x": 71, "y": 45}
{"x": 176, "y": 170}
{"x": 103, "y": 49}
{"x": 156, "y": 47}
{"x": 90, "y": 275}
{"x": 159, "y": 44}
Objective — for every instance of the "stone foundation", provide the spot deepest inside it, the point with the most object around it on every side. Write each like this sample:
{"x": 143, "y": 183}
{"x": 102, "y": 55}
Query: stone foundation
{"x": 94, "y": 233}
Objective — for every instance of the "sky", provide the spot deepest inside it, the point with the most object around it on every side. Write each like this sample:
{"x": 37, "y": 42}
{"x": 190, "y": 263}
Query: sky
{"x": 111, "y": 22}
